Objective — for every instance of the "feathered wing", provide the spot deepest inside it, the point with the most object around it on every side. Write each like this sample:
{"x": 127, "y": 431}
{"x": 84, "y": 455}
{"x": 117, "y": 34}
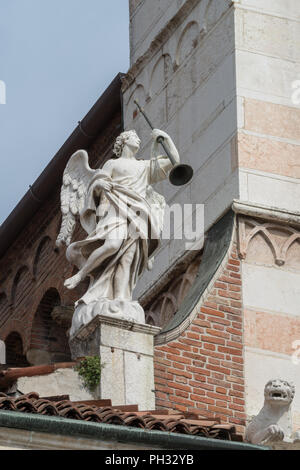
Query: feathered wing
{"x": 76, "y": 178}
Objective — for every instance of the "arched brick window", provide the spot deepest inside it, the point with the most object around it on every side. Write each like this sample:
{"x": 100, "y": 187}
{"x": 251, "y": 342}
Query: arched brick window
{"x": 49, "y": 342}
{"x": 14, "y": 350}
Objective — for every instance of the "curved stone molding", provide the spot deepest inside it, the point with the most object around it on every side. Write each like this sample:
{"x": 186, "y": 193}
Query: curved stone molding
{"x": 166, "y": 304}
{"x": 277, "y": 237}
{"x": 187, "y": 42}
{"x": 133, "y": 5}
{"x": 160, "y": 74}
{"x": 157, "y": 43}
{"x": 217, "y": 244}
{"x": 210, "y": 13}
{"x": 214, "y": 11}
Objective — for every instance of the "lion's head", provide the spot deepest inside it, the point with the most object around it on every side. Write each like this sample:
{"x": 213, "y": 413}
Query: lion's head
{"x": 280, "y": 392}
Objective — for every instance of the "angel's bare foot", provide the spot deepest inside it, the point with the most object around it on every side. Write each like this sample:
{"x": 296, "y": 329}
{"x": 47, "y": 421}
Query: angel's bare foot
{"x": 73, "y": 281}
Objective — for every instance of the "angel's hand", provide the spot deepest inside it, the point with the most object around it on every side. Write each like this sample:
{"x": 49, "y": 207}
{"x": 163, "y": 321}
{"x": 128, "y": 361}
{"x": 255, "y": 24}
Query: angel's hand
{"x": 102, "y": 184}
{"x": 156, "y": 133}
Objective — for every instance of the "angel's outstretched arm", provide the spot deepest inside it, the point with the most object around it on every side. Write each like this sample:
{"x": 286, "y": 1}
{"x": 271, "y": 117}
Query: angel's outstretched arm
{"x": 161, "y": 164}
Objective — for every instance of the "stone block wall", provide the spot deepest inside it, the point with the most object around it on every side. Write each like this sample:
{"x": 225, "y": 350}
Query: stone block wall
{"x": 221, "y": 77}
{"x": 270, "y": 253}
{"x": 267, "y": 68}
{"x": 185, "y": 80}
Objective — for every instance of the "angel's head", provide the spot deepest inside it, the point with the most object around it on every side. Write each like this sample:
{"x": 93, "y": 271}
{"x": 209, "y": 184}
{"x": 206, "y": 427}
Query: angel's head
{"x": 129, "y": 139}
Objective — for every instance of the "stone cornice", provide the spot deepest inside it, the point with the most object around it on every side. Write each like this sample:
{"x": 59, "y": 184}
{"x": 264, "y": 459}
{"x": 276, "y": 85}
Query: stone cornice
{"x": 85, "y": 331}
{"x": 266, "y": 212}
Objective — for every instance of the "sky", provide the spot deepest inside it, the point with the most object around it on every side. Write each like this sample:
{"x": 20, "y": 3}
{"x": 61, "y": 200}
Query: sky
{"x": 56, "y": 59}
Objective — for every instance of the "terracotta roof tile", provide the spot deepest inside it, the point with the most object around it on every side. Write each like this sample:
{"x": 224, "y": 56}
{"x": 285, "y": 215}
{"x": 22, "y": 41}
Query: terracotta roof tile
{"x": 159, "y": 420}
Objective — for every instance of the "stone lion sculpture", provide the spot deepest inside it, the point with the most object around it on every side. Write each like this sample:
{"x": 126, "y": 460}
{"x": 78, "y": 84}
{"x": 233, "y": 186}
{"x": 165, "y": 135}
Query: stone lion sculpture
{"x": 273, "y": 423}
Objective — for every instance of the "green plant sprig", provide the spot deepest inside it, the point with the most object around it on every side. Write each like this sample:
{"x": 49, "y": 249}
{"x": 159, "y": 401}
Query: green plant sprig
{"x": 89, "y": 369}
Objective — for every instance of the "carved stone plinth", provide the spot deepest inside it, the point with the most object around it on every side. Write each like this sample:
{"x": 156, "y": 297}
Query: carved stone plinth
{"x": 116, "y": 309}
{"x": 126, "y": 352}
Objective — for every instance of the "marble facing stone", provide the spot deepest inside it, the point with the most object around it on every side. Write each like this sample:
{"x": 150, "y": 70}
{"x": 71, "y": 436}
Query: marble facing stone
{"x": 126, "y": 352}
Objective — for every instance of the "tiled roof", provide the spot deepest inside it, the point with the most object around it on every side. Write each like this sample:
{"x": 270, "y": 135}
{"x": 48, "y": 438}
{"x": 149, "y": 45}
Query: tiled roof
{"x": 159, "y": 420}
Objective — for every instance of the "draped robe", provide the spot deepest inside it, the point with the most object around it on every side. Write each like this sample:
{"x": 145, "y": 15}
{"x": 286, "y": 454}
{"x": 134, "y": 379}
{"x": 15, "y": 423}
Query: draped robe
{"x": 131, "y": 207}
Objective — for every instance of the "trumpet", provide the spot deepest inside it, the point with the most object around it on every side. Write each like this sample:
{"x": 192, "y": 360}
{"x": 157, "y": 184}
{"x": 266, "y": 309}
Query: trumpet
{"x": 181, "y": 173}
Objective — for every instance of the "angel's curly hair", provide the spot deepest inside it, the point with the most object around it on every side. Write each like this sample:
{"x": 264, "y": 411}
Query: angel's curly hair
{"x": 120, "y": 142}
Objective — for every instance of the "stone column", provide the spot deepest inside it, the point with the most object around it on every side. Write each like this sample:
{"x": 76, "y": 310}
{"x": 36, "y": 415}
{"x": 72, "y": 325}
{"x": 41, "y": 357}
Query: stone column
{"x": 126, "y": 352}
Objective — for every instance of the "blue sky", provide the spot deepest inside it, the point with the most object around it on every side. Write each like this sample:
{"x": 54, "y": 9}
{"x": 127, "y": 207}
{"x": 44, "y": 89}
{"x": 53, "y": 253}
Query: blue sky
{"x": 56, "y": 59}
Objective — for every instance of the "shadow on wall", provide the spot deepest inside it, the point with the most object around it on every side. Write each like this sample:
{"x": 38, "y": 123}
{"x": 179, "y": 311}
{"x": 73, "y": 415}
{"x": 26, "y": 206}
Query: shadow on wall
{"x": 14, "y": 351}
{"x": 49, "y": 341}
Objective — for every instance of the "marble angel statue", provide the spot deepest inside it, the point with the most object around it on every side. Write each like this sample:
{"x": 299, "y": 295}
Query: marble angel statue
{"x": 123, "y": 218}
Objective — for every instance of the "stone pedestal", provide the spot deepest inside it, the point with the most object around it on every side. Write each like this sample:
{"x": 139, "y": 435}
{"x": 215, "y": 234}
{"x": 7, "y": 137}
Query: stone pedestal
{"x": 126, "y": 352}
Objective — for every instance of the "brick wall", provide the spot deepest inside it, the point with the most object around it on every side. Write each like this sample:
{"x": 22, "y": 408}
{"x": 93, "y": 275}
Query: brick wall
{"x": 47, "y": 335}
{"x": 203, "y": 369}
{"x": 14, "y": 350}
{"x": 31, "y": 267}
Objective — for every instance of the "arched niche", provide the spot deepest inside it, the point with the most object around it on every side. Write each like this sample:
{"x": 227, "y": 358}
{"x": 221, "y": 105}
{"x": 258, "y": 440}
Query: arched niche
{"x": 49, "y": 341}
{"x": 14, "y": 350}
{"x": 187, "y": 42}
{"x": 160, "y": 74}
{"x": 42, "y": 257}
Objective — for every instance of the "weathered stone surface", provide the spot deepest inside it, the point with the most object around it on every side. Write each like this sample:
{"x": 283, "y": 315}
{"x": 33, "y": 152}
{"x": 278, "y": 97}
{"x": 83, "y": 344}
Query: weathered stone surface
{"x": 38, "y": 357}
{"x": 126, "y": 353}
{"x": 63, "y": 315}
{"x": 272, "y": 119}
{"x": 271, "y": 331}
{"x": 273, "y": 423}
{"x": 61, "y": 382}
{"x": 269, "y": 155}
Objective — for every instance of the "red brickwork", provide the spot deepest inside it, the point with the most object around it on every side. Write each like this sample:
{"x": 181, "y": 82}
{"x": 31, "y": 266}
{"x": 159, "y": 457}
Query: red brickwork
{"x": 14, "y": 351}
{"x": 31, "y": 268}
{"x": 203, "y": 369}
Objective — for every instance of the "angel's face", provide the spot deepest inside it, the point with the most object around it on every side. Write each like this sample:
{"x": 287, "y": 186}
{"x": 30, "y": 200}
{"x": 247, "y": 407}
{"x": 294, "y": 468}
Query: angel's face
{"x": 133, "y": 142}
